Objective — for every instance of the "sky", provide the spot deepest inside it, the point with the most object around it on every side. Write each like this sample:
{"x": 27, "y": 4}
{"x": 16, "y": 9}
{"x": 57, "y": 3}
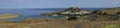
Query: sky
{"x": 59, "y": 3}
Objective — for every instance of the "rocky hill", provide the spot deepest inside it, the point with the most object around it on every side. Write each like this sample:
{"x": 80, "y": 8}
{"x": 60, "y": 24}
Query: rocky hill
{"x": 108, "y": 11}
{"x": 69, "y": 11}
{"x": 104, "y": 14}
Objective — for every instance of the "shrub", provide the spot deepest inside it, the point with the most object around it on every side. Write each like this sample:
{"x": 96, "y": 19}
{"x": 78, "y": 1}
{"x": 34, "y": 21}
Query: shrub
{"x": 72, "y": 18}
{"x": 118, "y": 13}
{"x": 104, "y": 14}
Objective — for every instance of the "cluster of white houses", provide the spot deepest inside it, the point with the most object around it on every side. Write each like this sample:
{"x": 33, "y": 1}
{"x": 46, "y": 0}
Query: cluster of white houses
{"x": 73, "y": 11}
{"x": 78, "y": 12}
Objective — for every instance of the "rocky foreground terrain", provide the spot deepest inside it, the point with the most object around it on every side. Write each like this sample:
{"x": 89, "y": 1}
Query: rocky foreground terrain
{"x": 98, "y": 19}
{"x": 57, "y": 23}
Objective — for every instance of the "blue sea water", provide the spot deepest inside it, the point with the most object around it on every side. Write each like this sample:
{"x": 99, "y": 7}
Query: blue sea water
{"x": 35, "y": 12}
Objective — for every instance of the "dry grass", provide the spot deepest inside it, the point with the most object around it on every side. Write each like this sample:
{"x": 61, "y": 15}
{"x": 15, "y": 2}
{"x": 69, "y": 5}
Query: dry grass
{"x": 40, "y": 23}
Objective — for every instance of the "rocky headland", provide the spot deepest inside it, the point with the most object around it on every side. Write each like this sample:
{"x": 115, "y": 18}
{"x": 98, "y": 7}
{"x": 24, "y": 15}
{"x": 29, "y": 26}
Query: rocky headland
{"x": 8, "y": 16}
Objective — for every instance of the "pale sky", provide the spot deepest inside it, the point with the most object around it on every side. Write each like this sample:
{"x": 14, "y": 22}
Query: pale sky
{"x": 59, "y": 3}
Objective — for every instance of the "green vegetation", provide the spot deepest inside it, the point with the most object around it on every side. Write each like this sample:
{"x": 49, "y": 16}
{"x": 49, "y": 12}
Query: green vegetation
{"x": 112, "y": 26}
{"x": 72, "y": 18}
{"x": 118, "y": 13}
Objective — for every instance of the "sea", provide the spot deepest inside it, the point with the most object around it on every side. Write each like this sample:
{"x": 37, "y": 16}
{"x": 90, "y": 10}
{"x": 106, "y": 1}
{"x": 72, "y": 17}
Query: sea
{"x": 36, "y": 12}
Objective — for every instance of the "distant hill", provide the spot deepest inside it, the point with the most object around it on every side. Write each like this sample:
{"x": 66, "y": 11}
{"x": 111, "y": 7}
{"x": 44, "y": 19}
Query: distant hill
{"x": 103, "y": 14}
{"x": 69, "y": 11}
{"x": 108, "y": 11}
{"x": 108, "y": 14}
